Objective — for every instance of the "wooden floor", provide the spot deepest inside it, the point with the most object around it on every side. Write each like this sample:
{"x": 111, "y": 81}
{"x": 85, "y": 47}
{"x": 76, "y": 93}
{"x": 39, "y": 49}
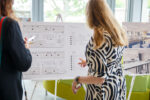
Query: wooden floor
{"x": 39, "y": 93}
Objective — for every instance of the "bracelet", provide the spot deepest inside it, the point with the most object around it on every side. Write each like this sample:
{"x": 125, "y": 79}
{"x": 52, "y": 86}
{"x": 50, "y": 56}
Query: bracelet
{"x": 77, "y": 79}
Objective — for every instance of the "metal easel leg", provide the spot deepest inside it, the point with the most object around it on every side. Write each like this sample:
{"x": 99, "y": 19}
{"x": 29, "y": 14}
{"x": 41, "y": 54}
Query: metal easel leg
{"x": 46, "y": 93}
{"x": 34, "y": 90}
{"x": 55, "y": 89}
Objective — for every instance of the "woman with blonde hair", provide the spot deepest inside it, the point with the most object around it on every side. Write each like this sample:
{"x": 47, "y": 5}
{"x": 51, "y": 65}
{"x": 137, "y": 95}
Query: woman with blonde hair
{"x": 15, "y": 56}
{"x": 105, "y": 80}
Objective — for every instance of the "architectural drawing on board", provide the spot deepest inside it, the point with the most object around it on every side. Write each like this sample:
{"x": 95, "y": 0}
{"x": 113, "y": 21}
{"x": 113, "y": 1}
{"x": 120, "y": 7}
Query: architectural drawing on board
{"x": 138, "y": 34}
{"x": 136, "y": 55}
{"x": 136, "y": 60}
{"x": 56, "y": 49}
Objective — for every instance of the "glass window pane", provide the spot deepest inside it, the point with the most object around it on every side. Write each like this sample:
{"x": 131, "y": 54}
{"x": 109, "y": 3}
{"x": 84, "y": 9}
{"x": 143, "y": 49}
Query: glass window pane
{"x": 146, "y": 11}
{"x": 23, "y": 9}
{"x": 71, "y": 10}
{"x": 120, "y": 10}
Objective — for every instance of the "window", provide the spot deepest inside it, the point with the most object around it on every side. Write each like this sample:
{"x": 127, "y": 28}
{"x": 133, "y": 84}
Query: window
{"x": 148, "y": 8}
{"x": 120, "y": 10}
{"x": 70, "y": 10}
{"x": 23, "y": 9}
{"x": 146, "y": 11}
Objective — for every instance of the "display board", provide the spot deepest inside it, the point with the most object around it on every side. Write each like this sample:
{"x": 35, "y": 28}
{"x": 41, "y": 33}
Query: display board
{"x": 137, "y": 53}
{"x": 58, "y": 46}
{"x": 56, "y": 49}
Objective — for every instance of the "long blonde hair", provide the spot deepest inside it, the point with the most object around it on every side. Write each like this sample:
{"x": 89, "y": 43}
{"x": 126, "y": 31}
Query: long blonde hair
{"x": 100, "y": 18}
{"x": 6, "y": 9}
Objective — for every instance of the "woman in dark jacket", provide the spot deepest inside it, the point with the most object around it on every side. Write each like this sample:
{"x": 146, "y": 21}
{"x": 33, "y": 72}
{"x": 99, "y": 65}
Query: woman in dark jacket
{"x": 16, "y": 57}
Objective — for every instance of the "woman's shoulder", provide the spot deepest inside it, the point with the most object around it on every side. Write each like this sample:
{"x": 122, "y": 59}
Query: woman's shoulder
{"x": 107, "y": 37}
{"x": 10, "y": 24}
{"x": 90, "y": 43}
{"x": 107, "y": 40}
{"x": 10, "y": 21}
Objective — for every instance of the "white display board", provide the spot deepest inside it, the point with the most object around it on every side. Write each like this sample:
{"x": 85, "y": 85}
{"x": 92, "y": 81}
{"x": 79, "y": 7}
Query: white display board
{"x": 56, "y": 49}
{"x": 137, "y": 55}
{"x": 58, "y": 46}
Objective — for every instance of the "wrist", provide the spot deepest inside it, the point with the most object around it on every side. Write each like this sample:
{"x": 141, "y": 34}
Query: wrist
{"x": 77, "y": 79}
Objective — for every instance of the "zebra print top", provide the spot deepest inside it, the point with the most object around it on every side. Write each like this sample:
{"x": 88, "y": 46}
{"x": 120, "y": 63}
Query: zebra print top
{"x": 105, "y": 62}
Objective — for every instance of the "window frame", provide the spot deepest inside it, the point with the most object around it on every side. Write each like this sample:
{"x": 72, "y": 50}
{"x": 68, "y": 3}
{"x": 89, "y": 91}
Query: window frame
{"x": 38, "y": 9}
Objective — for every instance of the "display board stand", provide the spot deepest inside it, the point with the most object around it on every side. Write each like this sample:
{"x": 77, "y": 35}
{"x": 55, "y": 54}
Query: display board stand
{"x": 35, "y": 86}
{"x": 59, "y": 17}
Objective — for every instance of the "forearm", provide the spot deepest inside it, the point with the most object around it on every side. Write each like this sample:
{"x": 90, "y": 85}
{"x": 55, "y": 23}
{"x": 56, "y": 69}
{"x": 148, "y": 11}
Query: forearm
{"x": 91, "y": 80}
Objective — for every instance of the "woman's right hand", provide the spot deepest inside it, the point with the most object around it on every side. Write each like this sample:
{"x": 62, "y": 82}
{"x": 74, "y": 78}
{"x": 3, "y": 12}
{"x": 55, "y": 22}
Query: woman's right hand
{"x": 26, "y": 43}
{"x": 82, "y": 63}
{"x": 75, "y": 87}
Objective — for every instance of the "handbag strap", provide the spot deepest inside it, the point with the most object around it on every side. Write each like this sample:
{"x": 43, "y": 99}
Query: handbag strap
{"x": 1, "y": 25}
{"x": 2, "y": 19}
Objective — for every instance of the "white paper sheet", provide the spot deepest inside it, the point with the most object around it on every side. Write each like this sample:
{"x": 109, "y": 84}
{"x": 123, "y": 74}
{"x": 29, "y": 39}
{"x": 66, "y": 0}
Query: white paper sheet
{"x": 56, "y": 49}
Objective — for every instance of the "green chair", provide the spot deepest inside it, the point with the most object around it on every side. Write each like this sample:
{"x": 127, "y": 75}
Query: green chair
{"x": 64, "y": 90}
{"x": 139, "y": 95}
{"x": 140, "y": 83}
{"x": 149, "y": 86}
{"x": 140, "y": 89}
{"x": 149, "y": 82}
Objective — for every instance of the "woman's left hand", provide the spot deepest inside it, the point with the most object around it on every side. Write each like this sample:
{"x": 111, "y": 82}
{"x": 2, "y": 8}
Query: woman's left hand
{"x": 26, "y": 43}
{"x": 75, "y": 87}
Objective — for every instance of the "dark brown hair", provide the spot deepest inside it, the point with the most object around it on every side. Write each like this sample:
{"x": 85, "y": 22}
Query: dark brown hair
{"x": 6, "y": 8}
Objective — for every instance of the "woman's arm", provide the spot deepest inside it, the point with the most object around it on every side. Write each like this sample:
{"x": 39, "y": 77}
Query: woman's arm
{"x": 86, "y": 80}
{"x": 82, "y": 62}
{"x": 20, "y": 56}
{"x": 91, "y": 80}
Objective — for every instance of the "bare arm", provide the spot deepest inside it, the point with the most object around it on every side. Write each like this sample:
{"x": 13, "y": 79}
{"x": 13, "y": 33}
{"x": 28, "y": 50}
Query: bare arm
{"x": 86, "y": 80}
{"x": 91, "y": 80}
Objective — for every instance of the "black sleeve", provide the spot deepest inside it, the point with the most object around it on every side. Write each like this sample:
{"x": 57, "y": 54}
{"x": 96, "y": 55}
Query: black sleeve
{"x": 20, "y": 56}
